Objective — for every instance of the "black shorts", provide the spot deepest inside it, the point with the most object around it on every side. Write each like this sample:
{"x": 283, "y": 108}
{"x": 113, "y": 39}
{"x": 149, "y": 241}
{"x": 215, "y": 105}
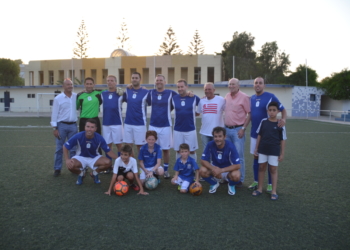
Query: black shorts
{"x": 121, "y": 172}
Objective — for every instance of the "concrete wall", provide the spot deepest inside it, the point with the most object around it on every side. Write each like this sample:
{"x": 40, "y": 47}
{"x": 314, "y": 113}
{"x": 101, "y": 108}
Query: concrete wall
{"x": 334, "y": 107}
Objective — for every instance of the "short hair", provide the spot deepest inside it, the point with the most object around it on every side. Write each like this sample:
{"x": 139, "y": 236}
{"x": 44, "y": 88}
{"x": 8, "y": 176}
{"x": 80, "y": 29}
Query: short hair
{"x": 260, "y": 78}
{"x": 160, "y": 75}
{"x": 209, "y": 83}
{"x": 115, "y": 78}
{"x": 184, "y": 146}
{"x": 234, "y": 79}
{"x": 89, "y": 78}
{"x": 151, "y": 133}
{"x": 275, "y": 104}
{"x": 218, "y": 129}
{"x": 91, "y": 121}
{"x": 127, "y": 149}
{"x": 182, "y": 80}
{"x": 136, "y": 73}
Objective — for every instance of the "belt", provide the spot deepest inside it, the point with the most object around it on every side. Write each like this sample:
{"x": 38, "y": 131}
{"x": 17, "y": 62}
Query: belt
{"x": 235, "y": 126}
{"x": 69, "y": 123}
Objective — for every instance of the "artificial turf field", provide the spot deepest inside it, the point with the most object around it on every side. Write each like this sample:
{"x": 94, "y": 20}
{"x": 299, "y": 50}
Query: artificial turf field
{"x": 39, "y": 211}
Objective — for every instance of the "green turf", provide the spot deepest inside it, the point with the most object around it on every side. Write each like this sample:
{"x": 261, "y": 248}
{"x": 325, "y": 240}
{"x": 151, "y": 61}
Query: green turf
{"x": 39, "y": 211}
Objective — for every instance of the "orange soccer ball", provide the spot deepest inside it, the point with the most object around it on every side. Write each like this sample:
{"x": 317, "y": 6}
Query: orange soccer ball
{"x": 195, "y": 189}
{"x": 121, "y": 188}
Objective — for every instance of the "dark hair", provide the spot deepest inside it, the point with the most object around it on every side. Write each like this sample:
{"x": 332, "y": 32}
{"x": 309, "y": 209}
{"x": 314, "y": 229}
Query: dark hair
{"x": 182, "y": 80}
{"x": 218, "y": 130}
{"x": 260, "y": 78}
{"x": 127, "y": 149}
{"x": 91, "y": 121}
{"x": 89, "y": 78}
{"x": 184, "y": 146}
{"x": 275, "y": 104}
{"x": 136, "y": 73}
{"x": 151, "y": 133}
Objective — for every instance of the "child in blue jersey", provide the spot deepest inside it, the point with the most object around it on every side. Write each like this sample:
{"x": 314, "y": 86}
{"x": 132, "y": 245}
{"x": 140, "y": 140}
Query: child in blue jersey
{"x": 125, "y": 167}
{"x": 220, "y": 160}
{"x": 270, "y": 148}
{"x": 150, "y": 157}
{"x": 185, "y": 169}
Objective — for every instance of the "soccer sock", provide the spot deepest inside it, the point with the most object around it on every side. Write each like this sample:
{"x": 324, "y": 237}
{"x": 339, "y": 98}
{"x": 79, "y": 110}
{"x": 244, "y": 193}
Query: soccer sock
{"x": 82, "y": 172}
{"x": 166, "y": 166}
{"x": 269, "y": 175}
{"x": 256, "y": 169}
{"x": 108, "y": 157}
{"x": 194, "y": 156}
{"x": 232, "y": 183}
{"x": 210, "y": 180}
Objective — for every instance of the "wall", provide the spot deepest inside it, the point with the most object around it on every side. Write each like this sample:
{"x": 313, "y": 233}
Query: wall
{"x": 302, "y": 105}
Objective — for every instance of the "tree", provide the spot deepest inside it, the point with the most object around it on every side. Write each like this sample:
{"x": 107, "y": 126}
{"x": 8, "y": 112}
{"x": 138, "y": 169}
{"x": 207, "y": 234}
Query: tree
{"x": 123, "y": 36}
{"x": 196, "y": 47}
{"x": 272, "y": 63}
{"x": 9, "y": 73}
{"x": 299, "y": 76}
{"x": 169, "y": 46}
{"x": 81, "y": 49}
{"x": 338, "y": 85}
{"x": 241, "y": 47}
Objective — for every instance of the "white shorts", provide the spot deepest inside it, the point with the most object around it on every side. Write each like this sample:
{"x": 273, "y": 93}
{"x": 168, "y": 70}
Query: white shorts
{"x": 182, "y": 183}
{"x": 271, "y": 159}
{"x": 113, "y": 134}
{"x": 252, "y": 145}
{"x": 143, "y": 174}
{"x": 87, "y": 161}
{"x": 185, "y": 137}
{"x": 165, "y": 137}
{"x": 135, "y": 134}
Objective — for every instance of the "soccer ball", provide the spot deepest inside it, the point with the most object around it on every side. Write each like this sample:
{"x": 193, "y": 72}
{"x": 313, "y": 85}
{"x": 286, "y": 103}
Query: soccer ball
{"x": 151, "y": 183}
{"x": 121, "y": 188}
{"x": 195, "y": 189}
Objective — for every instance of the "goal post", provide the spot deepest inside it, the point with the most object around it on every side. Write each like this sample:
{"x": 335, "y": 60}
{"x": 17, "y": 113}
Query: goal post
{"x": 44, "y": 102}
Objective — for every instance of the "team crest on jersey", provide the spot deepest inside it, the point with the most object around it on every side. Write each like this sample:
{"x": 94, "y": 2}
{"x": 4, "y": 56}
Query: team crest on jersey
{"x": 89, "y": 98}
{"x": 257, "y": 104}
{"x": 182, "y": 103}
{"x": 88, "y": 145}
{"x": 189, "y": 166}
{"x": 219, "y": 155}
{"x": 159, "y": 97}
{"x": 110, "y": 96}
{"x": 134, "y": 96}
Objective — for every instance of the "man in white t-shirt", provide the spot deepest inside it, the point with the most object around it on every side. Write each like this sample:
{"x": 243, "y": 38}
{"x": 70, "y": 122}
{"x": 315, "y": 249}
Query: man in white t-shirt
{"x": 211, "y": 107}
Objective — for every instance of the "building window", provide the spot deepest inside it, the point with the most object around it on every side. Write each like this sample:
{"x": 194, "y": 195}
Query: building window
{"x": 121, "y": 76}
{"x": 184, "y": 74}
{"x": 82, "y": 76}
{"x": 12, "y": 100}
{"x": 104, "y": 75}
{"x": 210, "y": 74}
{"x": 197, "y": 75}
{"x": 57, "y": 92}
{"x": 31, "y": 78}
{"x": 158, "y": 71}
{"x": 312, "y": 97}
{"x": 51, "y": 102}
{"x": 171, "y": 76}
{"x": 31, "y": 95}
{"x": 145, "y": 74}
{"x": 41, "y": 78}
{"x": 50, "y": 77}
{"x": 61, "y": 75}
{"x": 93, "y": 74}
{"x": 72, "y": 74}
{"x": 1, "y": 100}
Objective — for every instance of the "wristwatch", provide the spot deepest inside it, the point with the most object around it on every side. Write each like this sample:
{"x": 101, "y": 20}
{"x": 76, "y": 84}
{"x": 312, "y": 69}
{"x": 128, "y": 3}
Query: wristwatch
{"x": 54, "y": 128}
{"x": 243, "y": 128}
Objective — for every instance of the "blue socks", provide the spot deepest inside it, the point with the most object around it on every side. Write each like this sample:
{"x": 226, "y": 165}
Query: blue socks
{"x": 269, "y": 175}
{"x": 256, "y": 169}
{"x": 210, "y": 180}
{"x": 232, "y": 183}
{"x": 166, "y": 166}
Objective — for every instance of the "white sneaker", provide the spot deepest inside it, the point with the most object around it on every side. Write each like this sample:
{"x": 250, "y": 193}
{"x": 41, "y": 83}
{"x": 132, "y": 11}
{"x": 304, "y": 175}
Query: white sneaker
{"x": 212, "y": 188}
{"x": 231, "y": 189}
{"x": 166, "y": 175}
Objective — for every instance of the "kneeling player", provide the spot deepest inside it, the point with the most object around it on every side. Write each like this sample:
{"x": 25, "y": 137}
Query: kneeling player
{"x": 220, "y": 160}
{"x": 185, "y": 169}
{"x": 150, "y": 157}
{"x": 88, "y": 143}
{"x": 125, "y": 167}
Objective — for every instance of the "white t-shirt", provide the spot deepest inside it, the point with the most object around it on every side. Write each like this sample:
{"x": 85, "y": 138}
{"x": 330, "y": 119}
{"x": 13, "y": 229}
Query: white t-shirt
{"x": 212, "y": 114}
{"x": 132, "y": 165}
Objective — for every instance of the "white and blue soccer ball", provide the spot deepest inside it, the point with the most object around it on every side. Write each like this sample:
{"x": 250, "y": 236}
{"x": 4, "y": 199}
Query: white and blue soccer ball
{"x": 151, "y": 183}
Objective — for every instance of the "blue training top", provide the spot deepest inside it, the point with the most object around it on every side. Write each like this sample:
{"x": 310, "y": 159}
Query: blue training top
{"x": 187, "y": 170}
{"x": 150, "y": 159}
{"x": 221, "y": 157}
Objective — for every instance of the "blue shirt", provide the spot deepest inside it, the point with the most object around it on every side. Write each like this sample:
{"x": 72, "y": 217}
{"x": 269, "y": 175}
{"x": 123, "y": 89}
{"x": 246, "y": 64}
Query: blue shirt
{"x": 187, "y": 170}
{"x": 150, "y": 159}
{"x": 136, "y": 108}
{"x": 87, "y": 147}
{"x": 161, "y": 107}
{"x": 185, "y": 112}
{"x": 258, "y": 109}
{"x": 221, "y": 157}
{"x": 112, "y": 108}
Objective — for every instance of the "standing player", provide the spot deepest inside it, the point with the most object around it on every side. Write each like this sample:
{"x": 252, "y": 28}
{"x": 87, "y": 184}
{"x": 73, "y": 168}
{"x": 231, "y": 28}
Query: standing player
{"x": 160, "y": 101}
{"x": 135, "y": 119}
{"x": 88, "y": 142}
{"x": 64, "y": 121}
{"x": 220, "y": 160}
{"x": 236, "y": 113}
{"x": 185, "y": 119}
{"x": 258, "y": 104}
{"x": 270, "y": 148}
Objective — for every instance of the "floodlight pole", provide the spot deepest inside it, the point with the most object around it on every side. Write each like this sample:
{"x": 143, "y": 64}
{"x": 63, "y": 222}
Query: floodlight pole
{"x": 233, "y": 66}
{"x": 307, "y": 91}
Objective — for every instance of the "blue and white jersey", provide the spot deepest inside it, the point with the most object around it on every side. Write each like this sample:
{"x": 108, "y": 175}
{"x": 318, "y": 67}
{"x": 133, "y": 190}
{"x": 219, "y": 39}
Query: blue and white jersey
{"x": 87, "y": 147}
{"x": 136, "y": 108}
{"x": 185, "y": 112}
{"x": 187, "y": 170}
{"x": 161, "y": 107}
{"x": 150, "y": 159}
{"x": 112, "y": 108}
{"x": 221, "y": 157}
{"x": 258, "y": 109}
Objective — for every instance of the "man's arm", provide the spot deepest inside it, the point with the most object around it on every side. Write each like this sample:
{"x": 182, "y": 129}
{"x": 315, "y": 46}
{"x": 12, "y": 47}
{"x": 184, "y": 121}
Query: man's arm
{"x": 281, "y": 157}
{"x": 69, "y": 162}
{"x": 112, "y": 154}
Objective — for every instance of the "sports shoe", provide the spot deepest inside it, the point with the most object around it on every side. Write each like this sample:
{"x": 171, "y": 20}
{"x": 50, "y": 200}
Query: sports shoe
{"x": 178, "y": 187}
{"x": 212, "y": 188}
{"x": 80, "y": 180}
{"x": 269, "y": 188}
{"x": 135, "y": 187}
{"x": 166, "y": 175}
{"x": 253, "y": 186}
{"x": 231, "y": 189}
{"x": 57, "y": 172}
{"x": 239, "y": 185}
{"x": 95, "y": 177}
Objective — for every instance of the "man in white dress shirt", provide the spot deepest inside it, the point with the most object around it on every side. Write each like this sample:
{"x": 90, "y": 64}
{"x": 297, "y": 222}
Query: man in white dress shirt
{"x": 64, "y": 121}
